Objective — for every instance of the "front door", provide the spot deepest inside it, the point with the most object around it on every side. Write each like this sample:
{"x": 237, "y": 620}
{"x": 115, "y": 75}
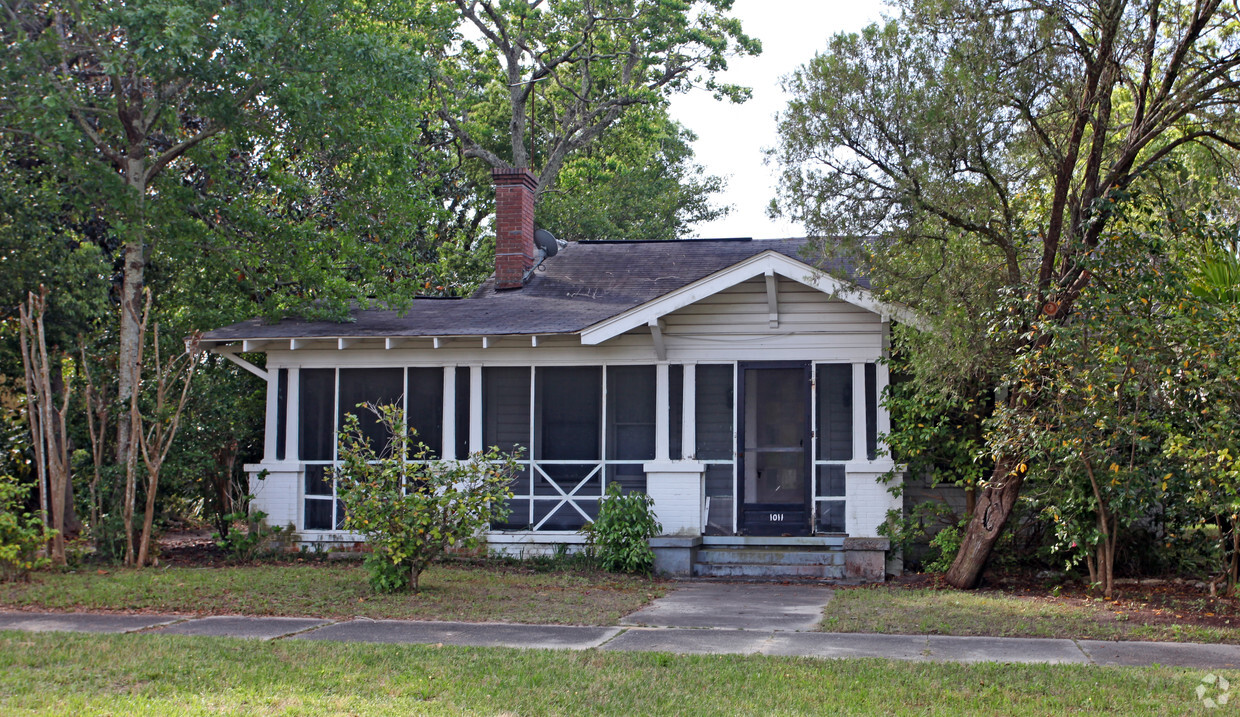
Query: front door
{"x": 775, "y": 448}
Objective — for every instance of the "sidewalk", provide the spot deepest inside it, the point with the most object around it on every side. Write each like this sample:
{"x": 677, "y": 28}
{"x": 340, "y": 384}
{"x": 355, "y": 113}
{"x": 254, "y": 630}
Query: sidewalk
{"x": 702, "y": 640}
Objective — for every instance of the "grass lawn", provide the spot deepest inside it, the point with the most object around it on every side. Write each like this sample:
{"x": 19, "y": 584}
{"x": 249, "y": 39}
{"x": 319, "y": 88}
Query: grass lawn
{"x": 166, "y": 675}
{"x": 896, "y": 610}
{"x": 468, "y": 593}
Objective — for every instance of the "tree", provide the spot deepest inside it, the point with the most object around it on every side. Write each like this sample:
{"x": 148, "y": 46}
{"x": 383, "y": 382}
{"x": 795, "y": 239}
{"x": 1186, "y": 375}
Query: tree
{"x": 996, "y": 140}
{"x": 638, "y": 181}
{"x": 130, "y": 91}
{"x": 566, "y": 72}
{"x": 1206, "y": 440}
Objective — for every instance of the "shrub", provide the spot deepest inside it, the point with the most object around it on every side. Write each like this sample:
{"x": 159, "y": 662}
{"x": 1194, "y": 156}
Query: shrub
{"x": 412, "y": 512}
{"x": 258, "y": 538}
{"x": 22, "y": 535}
{"x": 947, "y": 543}
{"x": 620, "y": 537}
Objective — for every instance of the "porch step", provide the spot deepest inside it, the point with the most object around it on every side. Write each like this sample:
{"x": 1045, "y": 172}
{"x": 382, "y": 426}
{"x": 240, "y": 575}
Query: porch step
{"x": 769, "y": 561}
{"x": 769, "y": 556}
{"x": 751, "y": 570}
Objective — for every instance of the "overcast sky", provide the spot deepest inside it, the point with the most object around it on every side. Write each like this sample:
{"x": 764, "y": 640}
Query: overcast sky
{"x": 731, "y": 137}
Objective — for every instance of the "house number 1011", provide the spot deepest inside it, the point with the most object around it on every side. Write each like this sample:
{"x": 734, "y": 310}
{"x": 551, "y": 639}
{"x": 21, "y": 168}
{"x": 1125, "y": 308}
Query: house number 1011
{"x": 777, "y": 517}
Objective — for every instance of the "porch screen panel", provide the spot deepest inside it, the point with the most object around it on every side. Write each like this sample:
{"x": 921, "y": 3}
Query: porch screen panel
{"x": 835, "y": 431}
{"x": 630, "y": 412}
{"x": 281, "y": 411}
{"x": 317, "y": 401}
{"x": 568, "y": 413}
{"x": 871, "y": 411}
{"x": 320, "y": 497}
{"x": 506, "y": 408}
{"x": 518, "y": 508}
{"x": 713, "y": 406}
{"x": 830, "y": 517}
{"x": 719, "y": 498}
{"x": 675, "y": 411}
{"x": 835, "y": 419}
{"x": 462, "y": 412}
{"x": 426, "y": 408}
{"x": 378, "y": 386}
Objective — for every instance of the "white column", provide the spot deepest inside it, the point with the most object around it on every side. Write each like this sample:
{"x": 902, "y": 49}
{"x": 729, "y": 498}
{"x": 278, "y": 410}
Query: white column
{"x": 688, "y": 430}
{"x": 448, "y": 452}
{"x": 882, "y": 377}
{"x": 475, "y": 409}
{"x": 292, "y": 425}
{"x": 858, "y": 402}
{"x": 271, "y": 427}
{"x": 661, "y": 410}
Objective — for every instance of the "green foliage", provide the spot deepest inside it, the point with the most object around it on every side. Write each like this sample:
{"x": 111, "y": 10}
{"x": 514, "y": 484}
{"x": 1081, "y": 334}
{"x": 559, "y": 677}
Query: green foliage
{"x": 530, "y": 84}
{"x": 257, "y": 540}
{"x": 412, "y": 510}
{"x": 619, "y": 537}
{"x": 905, "y": 529}
{"x": 636, "y": 182}
{"x": 22, "y": 534}
{"x": 945, "y": 544}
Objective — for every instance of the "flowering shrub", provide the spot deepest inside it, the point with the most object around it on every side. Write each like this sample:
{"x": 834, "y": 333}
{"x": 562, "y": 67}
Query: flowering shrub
{"x": 411, "y": 509}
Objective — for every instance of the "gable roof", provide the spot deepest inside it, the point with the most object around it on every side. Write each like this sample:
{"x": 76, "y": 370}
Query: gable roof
{"x": 585, "y": 284}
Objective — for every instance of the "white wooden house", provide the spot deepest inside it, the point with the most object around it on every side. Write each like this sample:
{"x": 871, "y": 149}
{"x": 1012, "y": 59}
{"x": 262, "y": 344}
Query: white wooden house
{"x": 732, "y": 381}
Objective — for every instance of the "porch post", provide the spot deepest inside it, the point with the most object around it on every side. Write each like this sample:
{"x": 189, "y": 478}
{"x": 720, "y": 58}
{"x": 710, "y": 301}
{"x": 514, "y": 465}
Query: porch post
{"x": 448, "y": 452}
{"x": 882, "y": 376}
{"x": 292, "y": 424}
{"x": 661, "y": 410}
{"x": 475, "y": 409}
{"x": 688, "y": 428}
{"x": 858, "y": 417}
{"x": 271, "y": 426}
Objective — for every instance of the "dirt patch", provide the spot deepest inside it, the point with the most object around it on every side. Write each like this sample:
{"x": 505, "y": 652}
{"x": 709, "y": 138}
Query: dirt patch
{"x": 190, "y": 548}
{"x": 1172, "y": 601}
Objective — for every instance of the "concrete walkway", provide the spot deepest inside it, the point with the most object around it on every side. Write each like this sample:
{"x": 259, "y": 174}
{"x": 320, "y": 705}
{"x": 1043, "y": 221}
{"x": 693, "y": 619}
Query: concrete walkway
{"x": 709, "y": 618}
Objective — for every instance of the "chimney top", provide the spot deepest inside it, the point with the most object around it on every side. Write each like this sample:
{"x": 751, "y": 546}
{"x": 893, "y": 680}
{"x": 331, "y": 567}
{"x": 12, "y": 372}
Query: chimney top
{"x": 514, "y": 225}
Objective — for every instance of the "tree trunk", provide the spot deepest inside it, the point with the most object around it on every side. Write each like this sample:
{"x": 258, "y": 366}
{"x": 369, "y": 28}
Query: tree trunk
{"x": 148, "y": 518}
{"x": 994, "y": 507}
{"x": 127, "y": 358}
{"x": 65, "y": 510}
{"x": 133, "y": 278}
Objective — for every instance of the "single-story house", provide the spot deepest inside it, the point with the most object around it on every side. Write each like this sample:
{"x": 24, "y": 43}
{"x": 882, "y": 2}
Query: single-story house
{"x": 732, "y": 381}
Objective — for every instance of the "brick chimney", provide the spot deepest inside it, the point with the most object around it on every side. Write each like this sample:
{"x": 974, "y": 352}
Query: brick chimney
{"x": 514, "y": 225}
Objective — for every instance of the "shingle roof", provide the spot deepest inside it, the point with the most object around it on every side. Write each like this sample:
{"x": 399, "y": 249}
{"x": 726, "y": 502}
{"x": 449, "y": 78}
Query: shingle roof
{"x": 585, "y": 283}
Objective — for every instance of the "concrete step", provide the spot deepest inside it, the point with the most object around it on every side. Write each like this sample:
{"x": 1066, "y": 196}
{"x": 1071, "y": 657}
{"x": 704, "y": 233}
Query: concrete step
{"x": 773, "y": 556}
{"x": 751, "y": 570}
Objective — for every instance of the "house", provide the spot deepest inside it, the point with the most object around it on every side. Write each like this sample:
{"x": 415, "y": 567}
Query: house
{"x": 734, "y": 383}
